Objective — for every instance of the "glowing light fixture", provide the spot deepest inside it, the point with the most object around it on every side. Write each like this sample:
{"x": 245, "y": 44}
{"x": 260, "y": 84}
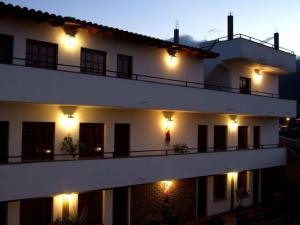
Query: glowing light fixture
{"x": 167, "y": 185}
{"x": 288, "y": 119}
{"x": 257, "y": 76}
{"x": 233, "y": 124}
{"x": 69, "y": 121}
{"x": 65, "y": 203}
{"x": 233, "y": 175}
{"x": 70, "y": 41}
{"x": 168, "y": 125}
{"x": 70, "y": 31}
{"x": 172, "y": 58}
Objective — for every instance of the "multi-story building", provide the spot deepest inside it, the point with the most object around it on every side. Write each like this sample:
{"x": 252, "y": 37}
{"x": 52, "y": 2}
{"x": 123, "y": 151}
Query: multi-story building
{"x": 120, "y": 124}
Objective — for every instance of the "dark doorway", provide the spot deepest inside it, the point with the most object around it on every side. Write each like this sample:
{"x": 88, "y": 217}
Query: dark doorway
{"x": 220, "y": 138}
{"x": 255, "y": 187}
{"x": 91, "y": 202}
{"x": 120, "y": 206}
{"x": 4, "y": 129}
{"x": 37, "y": 141}
{"x": 202, "y": 138}
{"x": 124, "y": 66}
{"x": 3, "y": 213}
{"x": 91, "y": 139}
{"x": 202, "y": 192}
{"x": 242, "y": 137}
{"x": 256, "y": 137}
{"x": 122, "y": 139}
{"x": 6, "y": 48}
{"x": 245, "y": 85}
{"x": 36, "y": 211}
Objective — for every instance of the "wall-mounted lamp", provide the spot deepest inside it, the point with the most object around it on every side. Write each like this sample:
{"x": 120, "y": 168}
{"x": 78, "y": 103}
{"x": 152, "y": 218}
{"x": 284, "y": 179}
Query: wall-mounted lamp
{"x": 167, "y": 185}
{"x": 287, "y": 119}
{"x": 168, "y": 124}
{"x": 257, "y": 76}
{"x": 233, "y": 124}
{"x": 68, "y": 120}
{"x": 172, "y": 56}
{"x": 64, "y": 204}
{"x": 70, "y": 31}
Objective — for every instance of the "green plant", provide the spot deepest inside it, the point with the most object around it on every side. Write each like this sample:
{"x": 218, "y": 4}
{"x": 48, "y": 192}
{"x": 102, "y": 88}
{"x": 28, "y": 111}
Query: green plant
{"x": 241, "y": 194}
{"x": 69, "y": 146}
{"x": 74, "y": 219}
{"x": 181, "y": 148}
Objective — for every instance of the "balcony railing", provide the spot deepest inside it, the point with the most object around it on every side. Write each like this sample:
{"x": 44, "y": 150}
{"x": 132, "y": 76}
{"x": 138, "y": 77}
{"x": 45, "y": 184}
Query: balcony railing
{"x": 146, "y": 78}
{"x": 246, "y": 37}
{"x": 19, "y": 159}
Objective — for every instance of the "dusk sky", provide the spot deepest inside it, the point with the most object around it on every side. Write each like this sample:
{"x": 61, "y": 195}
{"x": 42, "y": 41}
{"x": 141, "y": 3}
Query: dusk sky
{"x": 202, "y": 19}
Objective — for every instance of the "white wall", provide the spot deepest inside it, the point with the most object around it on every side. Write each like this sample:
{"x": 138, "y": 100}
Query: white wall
{"x": 146, "y": 60}
{"x": 147, "y": 126}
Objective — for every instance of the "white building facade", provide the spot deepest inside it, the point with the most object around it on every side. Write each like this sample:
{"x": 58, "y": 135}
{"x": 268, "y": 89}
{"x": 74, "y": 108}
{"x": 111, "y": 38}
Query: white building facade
{"x": 115, "y": 123}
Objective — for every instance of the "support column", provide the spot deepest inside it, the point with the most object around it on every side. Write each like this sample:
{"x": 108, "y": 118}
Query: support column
{"x": 13, "y": 213}
{"x": 107, "y": 207}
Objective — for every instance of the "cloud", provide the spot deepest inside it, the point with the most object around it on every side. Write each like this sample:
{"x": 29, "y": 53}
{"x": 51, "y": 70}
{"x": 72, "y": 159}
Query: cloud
{"x": 213, "y": 31}
{"x": 187, "y": 40}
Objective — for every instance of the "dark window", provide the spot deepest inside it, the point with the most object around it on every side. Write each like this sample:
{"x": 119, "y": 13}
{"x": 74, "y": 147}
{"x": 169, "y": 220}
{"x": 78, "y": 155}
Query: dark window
{"x": 256, "y": 137}
{"x": 41, "y": 54}
{"x": 120, "y": 206}
{"x": 3, "y": 213}
{"x": 93, "y": 61}
{"x": 202, "y": 138}
{"x": 124, "y": 66}
{"x": 242, "y": 137}
{"x": 220, "y": 187}
{"x": 220, "y": 138}
{"x": 36, "y": 211}
{"x": 37, "y": 140}
{"x": 6, "y": 48}
{"x": 91, "y": 139}
{"x": 245, "y": 85}
{"x": 4, "y": 127}
{"x": 122, "y": 139}
{"x": 242, "y": 181}
{"x": 91, "y": 203}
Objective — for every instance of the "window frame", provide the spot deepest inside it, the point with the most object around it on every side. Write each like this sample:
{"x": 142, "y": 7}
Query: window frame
{"x": 87, "y": 70}
{"x": 122, "y": 74}
{"x": 37, "y": 63}
{"x": 243, "y": 90}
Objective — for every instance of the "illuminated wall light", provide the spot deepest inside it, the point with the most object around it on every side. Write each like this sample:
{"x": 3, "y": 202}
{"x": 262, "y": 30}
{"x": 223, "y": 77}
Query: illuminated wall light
{"x": 233, "y": 124}
{"x": 257, "y": 76}
{"x": 288, "y": 119}
{"x": 171, "y": 57}
{"x": 232, "y": 175}
{"x": 168, "y": 125}
{"x": 64, "y": 204}
{"x": 68, "y": 121}
{"x": 70, "y": 41}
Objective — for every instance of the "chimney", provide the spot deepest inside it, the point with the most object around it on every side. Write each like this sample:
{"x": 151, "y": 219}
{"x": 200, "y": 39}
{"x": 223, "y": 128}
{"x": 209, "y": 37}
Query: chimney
{"x": 176, "y": 35}
{"x": 276, "y": 41}
{"x": 230, "y": 26}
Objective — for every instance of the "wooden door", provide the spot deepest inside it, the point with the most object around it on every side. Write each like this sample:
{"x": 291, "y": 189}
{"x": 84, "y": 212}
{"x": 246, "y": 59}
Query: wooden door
{"x": 202, "y": 193}
{"x": 4, "y": 129}
{"x": 202, "y": 138}
{"x": 91, "y": 203}
{"x": 242, "y": 137}
{"x": 256, "y": 137}
{"x": 120, "y": 206}
{"x": 91, "y": 139}
{"x": 36, "y": 211}
{"x": 220, "y": 138}
{"x": 37, "y": 140}
{"x": 122, "y": 139}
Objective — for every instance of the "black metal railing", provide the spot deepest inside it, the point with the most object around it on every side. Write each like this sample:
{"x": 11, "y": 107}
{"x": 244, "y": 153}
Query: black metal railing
{"x": 246, "y": 37}
{"x": 147, "y": 78}
{"x": 21, "y": 159}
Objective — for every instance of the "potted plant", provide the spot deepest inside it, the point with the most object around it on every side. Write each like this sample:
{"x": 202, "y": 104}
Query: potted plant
{"x": 181, "y": 148}
{"x": 69, "y": 146}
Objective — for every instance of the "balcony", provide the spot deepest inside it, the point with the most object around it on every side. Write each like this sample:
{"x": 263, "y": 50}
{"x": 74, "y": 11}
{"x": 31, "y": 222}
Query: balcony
{"x": 251, "y": 51}
{"x": 46, "y": 178}
{"x": 67, "y": 85}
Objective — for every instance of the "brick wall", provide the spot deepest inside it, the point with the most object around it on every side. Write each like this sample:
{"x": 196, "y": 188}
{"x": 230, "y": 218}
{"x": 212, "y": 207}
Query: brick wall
{"x": 147, "y": 201}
